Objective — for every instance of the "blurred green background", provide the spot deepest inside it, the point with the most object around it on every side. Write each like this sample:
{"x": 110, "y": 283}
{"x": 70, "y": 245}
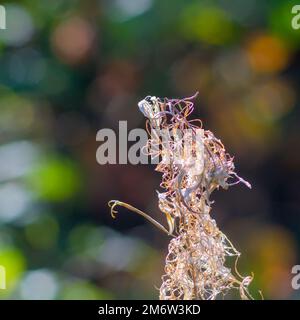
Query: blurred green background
{"x": 70, "y": 68}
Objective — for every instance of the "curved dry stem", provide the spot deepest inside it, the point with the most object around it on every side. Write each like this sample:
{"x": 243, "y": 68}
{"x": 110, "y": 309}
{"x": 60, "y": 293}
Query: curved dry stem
{"x": 114, "y": 203}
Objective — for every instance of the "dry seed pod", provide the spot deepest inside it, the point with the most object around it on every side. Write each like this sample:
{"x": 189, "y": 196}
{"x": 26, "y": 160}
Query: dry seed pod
{"x": 193, "y": 163}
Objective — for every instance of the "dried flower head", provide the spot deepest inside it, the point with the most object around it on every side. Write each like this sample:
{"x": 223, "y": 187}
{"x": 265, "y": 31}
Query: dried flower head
{"x": 193, "y": 163}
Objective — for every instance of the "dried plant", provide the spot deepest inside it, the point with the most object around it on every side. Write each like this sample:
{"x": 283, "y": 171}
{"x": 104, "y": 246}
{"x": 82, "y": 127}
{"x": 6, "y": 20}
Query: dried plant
{"x": 193, "y": 163}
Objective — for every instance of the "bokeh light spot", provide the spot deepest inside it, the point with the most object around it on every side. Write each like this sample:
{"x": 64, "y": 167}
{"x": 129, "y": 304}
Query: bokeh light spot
{"x": 43, "y": 232}
{"x": 208, "y": 24}
{"x": 39, "y": 285}
{"x": 267, "y": 53}
{"x": 13, "y": 261}
{"x": 19, "y": 26}
{"x": 55, "y": 179}
{"x": 72, "y": 40}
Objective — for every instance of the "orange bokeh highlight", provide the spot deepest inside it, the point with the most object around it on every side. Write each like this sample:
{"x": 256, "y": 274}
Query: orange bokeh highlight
{"x": 72, "y": 40}
{"x": 267, "y": 54}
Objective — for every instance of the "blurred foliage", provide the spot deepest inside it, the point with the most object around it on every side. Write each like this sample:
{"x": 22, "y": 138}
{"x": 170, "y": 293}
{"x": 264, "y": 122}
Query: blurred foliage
{"x": 70, "y": 68}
